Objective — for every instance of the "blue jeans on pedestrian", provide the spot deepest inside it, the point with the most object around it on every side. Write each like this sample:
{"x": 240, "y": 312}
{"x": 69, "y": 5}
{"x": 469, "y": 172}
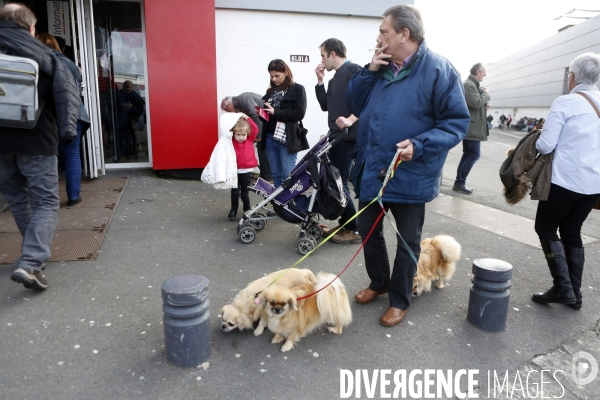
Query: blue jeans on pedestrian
{"x": 341, "y": 160}
{"x": 280, "y": 160}
{"x": 471, "y": 153}
{"x": 30, "y": 185}
{"x": 72, "y": 159}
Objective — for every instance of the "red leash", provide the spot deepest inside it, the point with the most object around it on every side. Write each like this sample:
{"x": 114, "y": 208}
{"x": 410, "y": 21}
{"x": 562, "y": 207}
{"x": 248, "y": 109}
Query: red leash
{"x": 346, "y": 267}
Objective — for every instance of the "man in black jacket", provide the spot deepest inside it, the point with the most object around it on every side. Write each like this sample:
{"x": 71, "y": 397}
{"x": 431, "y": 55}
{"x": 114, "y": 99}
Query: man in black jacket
{"x": 342, "y": 127}
{"x": 28, "y": 164}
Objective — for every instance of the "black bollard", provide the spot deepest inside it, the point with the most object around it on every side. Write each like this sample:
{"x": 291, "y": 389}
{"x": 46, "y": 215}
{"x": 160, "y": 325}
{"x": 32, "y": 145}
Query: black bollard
{"x": 488, "y": 300}
{"x": 186, "y": 320}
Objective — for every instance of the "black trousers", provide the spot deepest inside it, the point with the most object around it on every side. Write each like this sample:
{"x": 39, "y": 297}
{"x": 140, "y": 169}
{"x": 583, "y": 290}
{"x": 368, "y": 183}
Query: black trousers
{"x": 566, "y": 212}
{"x": 409, "y": 221}
{"x": 263, "y": 163}
{"x": 244, "y": 180}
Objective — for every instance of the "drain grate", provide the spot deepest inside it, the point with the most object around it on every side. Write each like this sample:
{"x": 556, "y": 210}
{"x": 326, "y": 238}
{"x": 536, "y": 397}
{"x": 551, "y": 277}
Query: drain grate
{"x": 80, "y": 229}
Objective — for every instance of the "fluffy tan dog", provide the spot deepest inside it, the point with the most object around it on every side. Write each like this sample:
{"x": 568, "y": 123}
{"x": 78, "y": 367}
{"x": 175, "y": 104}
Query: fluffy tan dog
{"x": 240, "y": 313}
{"x": 292, "y": 319}
{"x": 436, "y": 262}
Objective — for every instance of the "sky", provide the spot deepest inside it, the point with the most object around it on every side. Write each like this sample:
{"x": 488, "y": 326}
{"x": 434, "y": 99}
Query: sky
{"x": 471, "y": 31}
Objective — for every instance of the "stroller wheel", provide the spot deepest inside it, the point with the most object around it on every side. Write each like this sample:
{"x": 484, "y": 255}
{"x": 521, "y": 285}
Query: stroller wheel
{"x": 305, "y": 246}
{"x": 315, "y": 231}
{"x": 259, "y": 224}
{"x": 247, "y": 234}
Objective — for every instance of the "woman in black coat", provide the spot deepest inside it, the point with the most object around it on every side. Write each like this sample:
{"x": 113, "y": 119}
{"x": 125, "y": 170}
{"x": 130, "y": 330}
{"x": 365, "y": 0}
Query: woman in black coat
{"x": 283, "y": 134}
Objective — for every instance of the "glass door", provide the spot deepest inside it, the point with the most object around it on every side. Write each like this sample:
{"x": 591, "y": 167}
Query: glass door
{"x": 113, "y": 45}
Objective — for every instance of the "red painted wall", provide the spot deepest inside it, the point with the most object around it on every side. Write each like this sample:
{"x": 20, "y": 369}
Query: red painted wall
{"x": 182, "y": 82}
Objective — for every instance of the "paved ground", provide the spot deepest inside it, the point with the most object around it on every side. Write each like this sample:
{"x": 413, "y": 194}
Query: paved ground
{"x": 97, "y": 332}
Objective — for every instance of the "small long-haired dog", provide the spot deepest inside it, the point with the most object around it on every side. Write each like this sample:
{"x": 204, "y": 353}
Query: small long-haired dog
{"x": 436, "y": 262}
{"x": 292, "y": 319}
{"x": 240, "y": 313}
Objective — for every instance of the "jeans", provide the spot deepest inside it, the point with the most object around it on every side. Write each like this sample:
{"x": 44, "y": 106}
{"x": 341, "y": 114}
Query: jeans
{"x": 280, "y": 160}
{"x": 409, "y": 220}
{"x": 72, "y": 159}
{"x": 565, "y": 211}
{"x": 244, "y": 180}
{"x": 30, "y": 185}
{"x": 471, "y": 153}
{"x": 341, "y": 160}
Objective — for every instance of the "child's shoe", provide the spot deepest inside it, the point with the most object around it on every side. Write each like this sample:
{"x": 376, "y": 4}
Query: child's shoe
{"x": 232, "y": 214}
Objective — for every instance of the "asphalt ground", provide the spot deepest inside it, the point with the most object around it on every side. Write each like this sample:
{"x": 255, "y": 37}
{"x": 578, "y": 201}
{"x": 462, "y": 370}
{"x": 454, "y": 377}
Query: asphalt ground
{"x": 97, "y": 332}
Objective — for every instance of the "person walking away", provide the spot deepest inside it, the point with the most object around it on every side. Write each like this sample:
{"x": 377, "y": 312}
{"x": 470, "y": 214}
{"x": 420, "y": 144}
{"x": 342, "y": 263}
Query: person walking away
{"x": 28, "y": 163}
{"x": 394, "y": 115}
{"x": 244, "y": 133}
{"x": 343, "y": 127}
{"x": 476, "y": 98}
{"x": 572, "y": 131}
{"x": 70, "y": 152}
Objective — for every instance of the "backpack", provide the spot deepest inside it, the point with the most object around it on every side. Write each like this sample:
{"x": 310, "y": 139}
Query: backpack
{"x": 19, "y": 107}
{"x": 331, "y": 199}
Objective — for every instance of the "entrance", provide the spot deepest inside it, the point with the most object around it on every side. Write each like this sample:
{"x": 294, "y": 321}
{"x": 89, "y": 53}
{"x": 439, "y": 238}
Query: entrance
{"x": 107, "y": 41}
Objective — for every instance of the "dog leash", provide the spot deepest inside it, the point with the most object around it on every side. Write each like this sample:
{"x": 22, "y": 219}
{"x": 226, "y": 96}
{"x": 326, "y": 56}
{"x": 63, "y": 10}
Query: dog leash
{"x": 389, "y": 175}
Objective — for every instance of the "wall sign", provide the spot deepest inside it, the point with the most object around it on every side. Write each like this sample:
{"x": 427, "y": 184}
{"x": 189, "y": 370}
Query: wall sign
{"x": 299, "y": 59}
{"x": 58, "y": 20}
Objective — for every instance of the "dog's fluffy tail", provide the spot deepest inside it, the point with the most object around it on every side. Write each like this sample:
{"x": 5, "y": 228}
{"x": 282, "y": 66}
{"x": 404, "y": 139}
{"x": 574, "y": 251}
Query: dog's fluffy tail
{"x": 449, "y": 247}
{"x": 333, "y": 303}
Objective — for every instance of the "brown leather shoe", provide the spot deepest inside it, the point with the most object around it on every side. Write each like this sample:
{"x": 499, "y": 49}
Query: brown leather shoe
{"x": 367, "y": 295}
{"x": 393, "y": 316}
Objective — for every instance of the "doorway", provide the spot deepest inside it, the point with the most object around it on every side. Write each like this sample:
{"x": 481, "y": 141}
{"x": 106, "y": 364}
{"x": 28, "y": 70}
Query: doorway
{"x": 106, "y": 38}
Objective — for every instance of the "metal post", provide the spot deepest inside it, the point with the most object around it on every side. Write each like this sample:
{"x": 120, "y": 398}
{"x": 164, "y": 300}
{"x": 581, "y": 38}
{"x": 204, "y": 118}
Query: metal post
{"x": 488, "y": 300}
{"x": 186, "y": 320}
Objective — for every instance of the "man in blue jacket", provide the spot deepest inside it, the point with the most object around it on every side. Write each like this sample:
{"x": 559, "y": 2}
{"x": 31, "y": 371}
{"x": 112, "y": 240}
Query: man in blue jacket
{"x": 412, "y": 99}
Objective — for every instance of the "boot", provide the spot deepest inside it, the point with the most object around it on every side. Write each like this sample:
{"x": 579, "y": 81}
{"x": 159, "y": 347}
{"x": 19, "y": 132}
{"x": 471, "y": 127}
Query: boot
{"x": 235, "y": 202}
{"x": 575, "y": 261}
{"x": 561, "y": 292}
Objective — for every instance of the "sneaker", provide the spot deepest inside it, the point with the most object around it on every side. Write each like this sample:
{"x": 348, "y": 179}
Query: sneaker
{"x": 30, "y": 278}
{"x": 346, "y": 237}
{"x": 329, "y": 231}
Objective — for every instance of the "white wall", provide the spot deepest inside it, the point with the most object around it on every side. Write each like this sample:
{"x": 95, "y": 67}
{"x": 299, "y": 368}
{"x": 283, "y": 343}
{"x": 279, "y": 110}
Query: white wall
{"x": 248, "y": 40}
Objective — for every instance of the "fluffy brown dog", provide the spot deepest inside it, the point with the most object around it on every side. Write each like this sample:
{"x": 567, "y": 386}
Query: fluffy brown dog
{"x": 436, "y": 262}
{"x": 240, "y": 313}
{"x": 291, "y": 319}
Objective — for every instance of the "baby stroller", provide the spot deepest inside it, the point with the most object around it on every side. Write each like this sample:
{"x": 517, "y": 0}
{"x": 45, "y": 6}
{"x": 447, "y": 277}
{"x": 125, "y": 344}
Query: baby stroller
{"x": 292, "y": 204}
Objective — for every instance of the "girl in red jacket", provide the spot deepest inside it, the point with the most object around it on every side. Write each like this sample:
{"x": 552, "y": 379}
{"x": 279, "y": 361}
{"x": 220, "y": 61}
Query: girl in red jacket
{"x": 244, "y": 133}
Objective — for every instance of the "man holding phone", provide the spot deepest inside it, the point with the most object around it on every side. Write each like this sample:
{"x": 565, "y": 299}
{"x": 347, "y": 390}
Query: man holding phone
{"x": 343, "y": 126}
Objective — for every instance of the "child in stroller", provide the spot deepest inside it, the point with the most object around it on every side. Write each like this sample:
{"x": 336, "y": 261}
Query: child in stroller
{"x": 291, "y": 202}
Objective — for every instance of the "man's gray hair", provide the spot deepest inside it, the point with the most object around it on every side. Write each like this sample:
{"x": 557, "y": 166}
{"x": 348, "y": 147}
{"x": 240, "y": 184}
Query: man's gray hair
{"x": 586, "y": 68}
{"x": 476, "y": 68}
{"x": 19, "y": 14}
{"x": 227, "y": 100}
{"x": 406, "y": 16}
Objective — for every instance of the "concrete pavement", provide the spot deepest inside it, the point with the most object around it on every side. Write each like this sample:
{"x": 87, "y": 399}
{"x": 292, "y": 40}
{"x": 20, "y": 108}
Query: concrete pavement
{"x": 97, "y": 333}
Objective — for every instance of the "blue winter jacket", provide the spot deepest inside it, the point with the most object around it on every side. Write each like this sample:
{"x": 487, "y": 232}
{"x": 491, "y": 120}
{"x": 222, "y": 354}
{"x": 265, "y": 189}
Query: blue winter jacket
{"x": 425, "y": 103}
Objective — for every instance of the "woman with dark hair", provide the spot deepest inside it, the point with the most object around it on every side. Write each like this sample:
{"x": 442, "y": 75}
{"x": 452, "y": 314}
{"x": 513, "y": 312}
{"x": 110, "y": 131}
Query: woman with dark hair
{"x": 70, "y": 152}
{"x": 283, "y": 137}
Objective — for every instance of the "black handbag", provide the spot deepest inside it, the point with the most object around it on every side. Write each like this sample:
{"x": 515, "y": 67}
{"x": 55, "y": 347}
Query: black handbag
{"x": 302, "y": 132}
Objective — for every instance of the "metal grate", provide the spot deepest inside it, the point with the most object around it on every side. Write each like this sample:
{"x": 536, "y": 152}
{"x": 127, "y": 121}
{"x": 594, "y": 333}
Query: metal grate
{"x": 80, "y": 229}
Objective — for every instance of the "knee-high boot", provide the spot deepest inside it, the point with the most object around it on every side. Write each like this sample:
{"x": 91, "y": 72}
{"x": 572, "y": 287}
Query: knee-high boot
{"x": 235, "y": 201}
{"x": 575, "y": 261}
{"x": 562, "y": 290}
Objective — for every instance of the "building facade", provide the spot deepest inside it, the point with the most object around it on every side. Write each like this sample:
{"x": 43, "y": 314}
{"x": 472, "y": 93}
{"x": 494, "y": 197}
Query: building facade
{"x": 155, "y": 71}
{"x": 526, "y": 83}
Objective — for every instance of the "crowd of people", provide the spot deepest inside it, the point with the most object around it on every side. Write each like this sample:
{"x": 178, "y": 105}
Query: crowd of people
{"x": 365, "y": 107}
